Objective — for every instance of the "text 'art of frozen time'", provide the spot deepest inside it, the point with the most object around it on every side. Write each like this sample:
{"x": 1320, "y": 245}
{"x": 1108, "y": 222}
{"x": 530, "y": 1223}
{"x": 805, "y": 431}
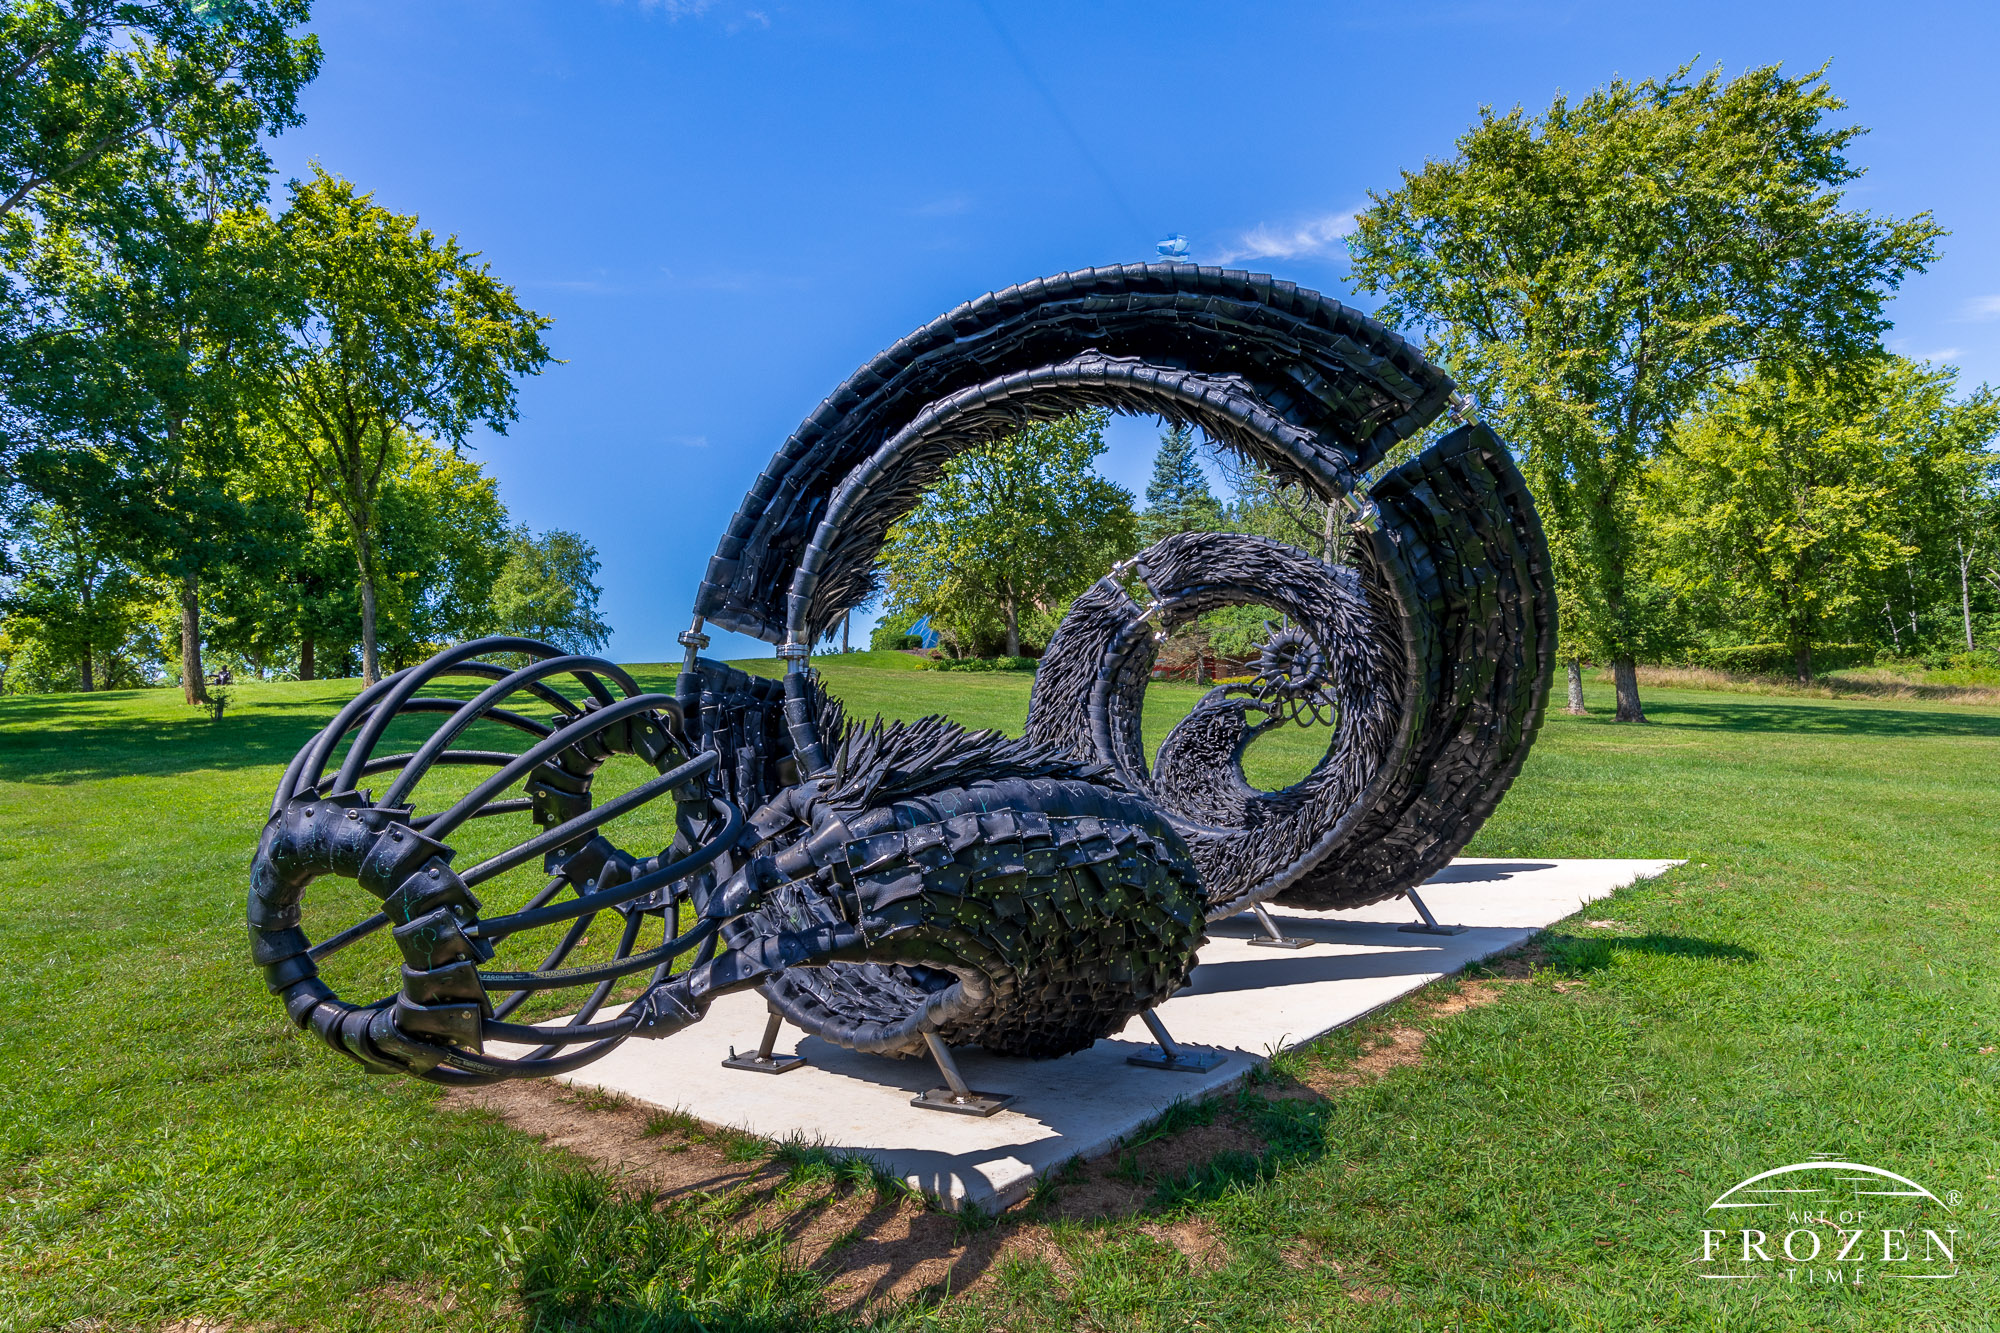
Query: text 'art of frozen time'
{"x": 902, "y": 889}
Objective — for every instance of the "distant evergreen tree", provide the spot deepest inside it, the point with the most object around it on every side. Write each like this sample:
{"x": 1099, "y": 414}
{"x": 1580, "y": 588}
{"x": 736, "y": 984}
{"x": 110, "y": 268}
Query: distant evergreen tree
{"x": 1178, "y": 498}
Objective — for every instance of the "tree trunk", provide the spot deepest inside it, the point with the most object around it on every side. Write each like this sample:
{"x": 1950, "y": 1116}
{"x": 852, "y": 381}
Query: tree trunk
{"x": 844, "y": 619}
{"x": 193, "y": 688}
{"x": 1802, "y": 661}
{"x": 1575, "y": 669}
{"x": 1625, "y": 675}
{"x": 305, "y": 657}
{"x": 85, "y": 678}
{"x": 1013, "y": 630}
{"x": 1330, "y": 534}
{"x": 1965, "y": 592}
{"x": 371, "y": 662}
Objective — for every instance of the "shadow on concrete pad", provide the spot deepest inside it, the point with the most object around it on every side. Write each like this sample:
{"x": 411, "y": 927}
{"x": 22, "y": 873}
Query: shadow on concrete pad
{"x": 1480, "y": 873}
{"x": 1397, "y": 956}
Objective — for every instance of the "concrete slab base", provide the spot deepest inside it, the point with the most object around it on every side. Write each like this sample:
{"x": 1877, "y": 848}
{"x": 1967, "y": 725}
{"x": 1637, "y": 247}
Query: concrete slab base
{"x": 1244, "y": 1001}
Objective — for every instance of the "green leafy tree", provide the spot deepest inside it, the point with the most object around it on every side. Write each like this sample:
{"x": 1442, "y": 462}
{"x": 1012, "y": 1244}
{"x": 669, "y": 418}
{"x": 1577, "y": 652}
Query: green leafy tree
{"x": 443, "y": 546}
{"x": 1013, "y": 529}
{"x": 1178, "y": 498}
{"x": 1785, "y": 500}
{"x": 139, "y": 399}
{"x": 1959, "y": 483}
{"x": 294, "y": 610}
{"x": 131, "y": 153}
{"x": 546, "y": 591}
{"x": 76, "y": 616}
{"x": 390, "y": 332}
{"x": 86, "y": 85}
{"x": 101, "y": 103}
{"x": 1591, "y": 272}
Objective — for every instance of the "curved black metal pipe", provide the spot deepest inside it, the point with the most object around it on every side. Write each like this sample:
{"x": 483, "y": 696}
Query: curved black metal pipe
{"x": 555, "y": 743}
{"x": 410, "y": 683}
{"x": 474, "y": 708}
{"x": 732, "y": 829}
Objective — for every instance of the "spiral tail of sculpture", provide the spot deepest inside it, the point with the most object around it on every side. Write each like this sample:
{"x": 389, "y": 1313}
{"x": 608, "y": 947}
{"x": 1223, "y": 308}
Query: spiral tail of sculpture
{"x": 1429, "y": 655}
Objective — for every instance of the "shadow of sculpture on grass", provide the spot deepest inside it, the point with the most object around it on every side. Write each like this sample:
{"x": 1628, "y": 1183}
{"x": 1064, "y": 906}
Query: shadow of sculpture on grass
{"x": 1575, "y": 954}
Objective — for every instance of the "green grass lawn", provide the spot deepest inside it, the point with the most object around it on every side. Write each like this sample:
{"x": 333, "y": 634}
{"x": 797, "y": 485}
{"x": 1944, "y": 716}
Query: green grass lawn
{"x": 1819, "y": 979}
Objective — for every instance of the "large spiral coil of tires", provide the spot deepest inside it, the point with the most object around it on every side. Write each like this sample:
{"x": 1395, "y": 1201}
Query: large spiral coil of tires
{"x": 1432, "y": 654}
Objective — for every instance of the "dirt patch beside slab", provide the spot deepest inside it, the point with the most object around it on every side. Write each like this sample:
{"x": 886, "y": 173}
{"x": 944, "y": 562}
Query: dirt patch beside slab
{"x": 878, "y": 1246}
{"x": 612, "y": 1134}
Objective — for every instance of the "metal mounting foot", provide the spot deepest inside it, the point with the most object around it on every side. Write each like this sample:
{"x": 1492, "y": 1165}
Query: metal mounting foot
{"x": 764, "y": 1061}
{"x": 1429, "y": 925}
{"x": 955, "y": 1096}
{"x": 1170, "y": 1054}
{"x": 1272, "y": 938}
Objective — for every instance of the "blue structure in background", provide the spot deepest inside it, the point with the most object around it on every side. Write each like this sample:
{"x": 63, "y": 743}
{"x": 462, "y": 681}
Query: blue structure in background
{"x": 926, "y": 636}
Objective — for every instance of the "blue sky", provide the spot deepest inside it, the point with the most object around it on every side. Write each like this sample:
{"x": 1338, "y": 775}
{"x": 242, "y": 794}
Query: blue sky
{"x": 728, "y": 206}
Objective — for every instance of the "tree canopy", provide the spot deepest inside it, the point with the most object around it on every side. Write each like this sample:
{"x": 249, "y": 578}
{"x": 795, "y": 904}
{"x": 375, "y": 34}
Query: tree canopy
{"x": 1178, "y": 498}
{"x": 1011, "y": 532}
{"x": 546, "y": 591}
{"x": 1787, "y": 502}
{"x": 388, "y": 331}
{"x": 1592, "y": 271}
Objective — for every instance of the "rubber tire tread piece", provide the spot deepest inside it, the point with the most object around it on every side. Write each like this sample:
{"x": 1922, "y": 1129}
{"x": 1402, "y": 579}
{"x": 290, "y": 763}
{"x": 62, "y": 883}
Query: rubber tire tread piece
{"x": 1460, "y": 550}
{"x": 1032, "y": 917}
{"x": 1353, "y": 386}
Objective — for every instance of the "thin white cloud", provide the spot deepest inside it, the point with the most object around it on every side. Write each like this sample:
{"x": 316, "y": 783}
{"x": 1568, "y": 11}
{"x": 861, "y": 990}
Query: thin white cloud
{"x": 1982, "y": 307}
{"x": 691, "y": 441}
{"x": 1942, "y": 354}
{"x": 680, "y": 9}
{"x": 1315, "y": 238}
{"x": 946, "y": 206}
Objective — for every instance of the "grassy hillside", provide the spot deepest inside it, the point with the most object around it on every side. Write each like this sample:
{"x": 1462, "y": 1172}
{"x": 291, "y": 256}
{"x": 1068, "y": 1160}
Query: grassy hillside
{"x": 1820, "y": 978}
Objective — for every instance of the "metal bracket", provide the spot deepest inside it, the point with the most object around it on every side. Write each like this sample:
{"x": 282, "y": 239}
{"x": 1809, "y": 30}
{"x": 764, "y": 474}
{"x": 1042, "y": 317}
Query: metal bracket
{"x": 1429, "y": 925}
{"x": 694, "y": 641}
{"x": 1150, "y": 614}
{"x": 1170, "y": 1054}
{"x": 1272, "y": 938}
{"x": 795, "y": 655}
{"x": 955, "y": 1096}
{"x": 765, "y": 1061}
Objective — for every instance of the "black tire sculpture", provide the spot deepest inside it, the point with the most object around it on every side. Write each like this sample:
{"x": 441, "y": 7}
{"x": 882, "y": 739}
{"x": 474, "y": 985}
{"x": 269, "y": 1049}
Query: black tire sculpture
{"x": 1013, "y": 902}
{"x": 896, "y": 887}
{"x": 1433, "y": 653}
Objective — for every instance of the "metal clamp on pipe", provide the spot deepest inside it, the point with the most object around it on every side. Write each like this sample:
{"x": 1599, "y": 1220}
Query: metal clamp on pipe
{"x": 694, "y": 641}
